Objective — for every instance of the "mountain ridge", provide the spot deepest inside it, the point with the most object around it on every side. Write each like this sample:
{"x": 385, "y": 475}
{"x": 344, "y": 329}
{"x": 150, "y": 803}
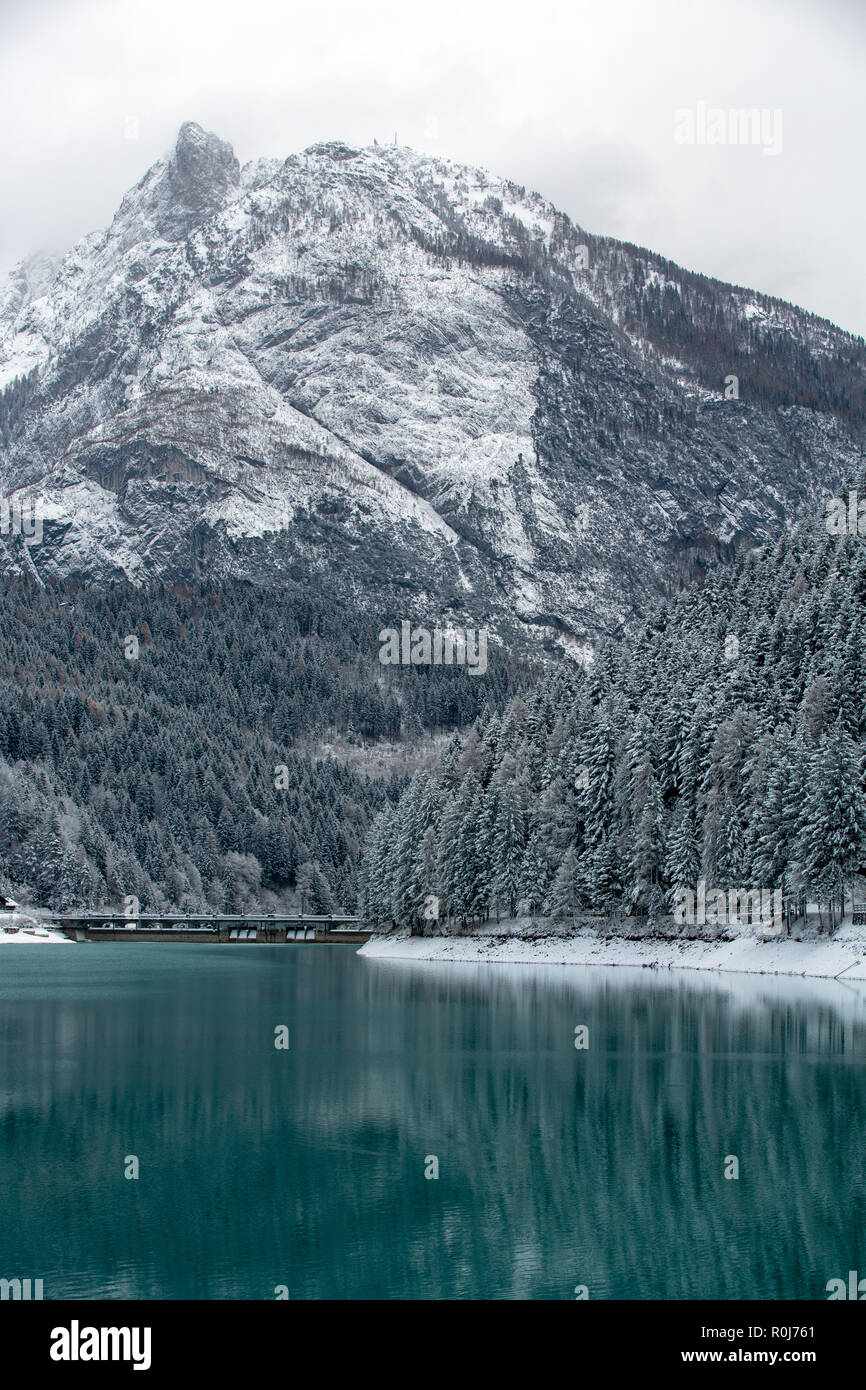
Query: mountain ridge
{"x": 399, "y": 375}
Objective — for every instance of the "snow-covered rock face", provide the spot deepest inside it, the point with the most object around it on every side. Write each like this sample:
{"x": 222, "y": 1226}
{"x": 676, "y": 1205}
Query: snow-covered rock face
{"x": 402, "y": 375}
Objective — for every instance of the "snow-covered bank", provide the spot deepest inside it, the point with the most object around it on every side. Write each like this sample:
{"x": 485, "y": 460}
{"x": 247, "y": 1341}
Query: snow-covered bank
{"x": 841, "y": 956}
{"x": 20, "y": 929}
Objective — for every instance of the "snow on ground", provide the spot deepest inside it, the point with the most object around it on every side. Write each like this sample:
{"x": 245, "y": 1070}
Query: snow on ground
{"x": 842, "y": 956}
{"x": 20, "y": 929}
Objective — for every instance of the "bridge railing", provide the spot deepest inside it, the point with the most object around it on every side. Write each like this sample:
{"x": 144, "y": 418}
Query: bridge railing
{"x": 190, "y": 919}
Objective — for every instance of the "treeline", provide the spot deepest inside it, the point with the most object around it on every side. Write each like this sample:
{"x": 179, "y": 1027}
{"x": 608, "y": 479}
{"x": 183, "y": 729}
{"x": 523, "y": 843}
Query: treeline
{"x": 783, "y": 357}
{"x": 724, "y": 741}
{"x": 14, "y": 400}
{"x": 163, "y": 744}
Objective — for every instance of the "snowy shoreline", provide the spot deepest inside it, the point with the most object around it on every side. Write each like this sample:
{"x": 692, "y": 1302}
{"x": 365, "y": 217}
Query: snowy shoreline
{"x": 22, "y": 929}
{"x": 842, "y": 956}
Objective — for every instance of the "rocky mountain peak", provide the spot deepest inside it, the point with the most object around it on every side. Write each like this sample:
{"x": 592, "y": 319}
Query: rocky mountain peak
{"x": 178, "y": 192}
{"x": 203, "y": 167}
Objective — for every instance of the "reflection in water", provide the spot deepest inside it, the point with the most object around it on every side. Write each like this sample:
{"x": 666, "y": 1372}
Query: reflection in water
{"x": 557, "y": 1167}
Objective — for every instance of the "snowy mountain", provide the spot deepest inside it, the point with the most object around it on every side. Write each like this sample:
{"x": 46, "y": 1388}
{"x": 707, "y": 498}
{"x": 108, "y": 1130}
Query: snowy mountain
{"x": 406, "y": 380}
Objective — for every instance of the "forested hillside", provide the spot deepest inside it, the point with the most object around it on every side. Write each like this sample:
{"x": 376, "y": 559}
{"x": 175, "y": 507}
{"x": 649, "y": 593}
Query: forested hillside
{"x": 724, "y": 741}
{"x": 141, "y": 733}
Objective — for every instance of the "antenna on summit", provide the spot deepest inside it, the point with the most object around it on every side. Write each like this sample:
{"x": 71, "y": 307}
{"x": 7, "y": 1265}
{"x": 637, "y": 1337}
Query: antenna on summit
{"x": 395, "y": 137}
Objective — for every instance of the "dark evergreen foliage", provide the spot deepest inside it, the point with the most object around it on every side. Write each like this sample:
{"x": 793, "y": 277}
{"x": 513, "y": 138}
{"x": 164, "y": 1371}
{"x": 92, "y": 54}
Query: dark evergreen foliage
{"x": 725, "y": 740}
{"x": 159, "y": 776}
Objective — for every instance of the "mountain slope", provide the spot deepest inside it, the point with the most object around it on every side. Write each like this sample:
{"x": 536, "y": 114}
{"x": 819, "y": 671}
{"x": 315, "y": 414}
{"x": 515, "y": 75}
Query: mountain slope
{"x": 397, "y": 375}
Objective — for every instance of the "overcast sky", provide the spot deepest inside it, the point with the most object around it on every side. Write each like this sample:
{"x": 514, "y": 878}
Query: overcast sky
{"x": 577, "y": 100}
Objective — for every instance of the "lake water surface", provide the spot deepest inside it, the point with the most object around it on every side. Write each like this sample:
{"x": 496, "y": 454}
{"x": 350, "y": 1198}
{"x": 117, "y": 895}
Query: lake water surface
{"x": 558, "y": 1168}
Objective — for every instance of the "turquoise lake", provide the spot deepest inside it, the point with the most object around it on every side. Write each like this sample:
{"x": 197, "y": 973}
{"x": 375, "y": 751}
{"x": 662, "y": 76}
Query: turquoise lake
{"x": 304, "y": 1168}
